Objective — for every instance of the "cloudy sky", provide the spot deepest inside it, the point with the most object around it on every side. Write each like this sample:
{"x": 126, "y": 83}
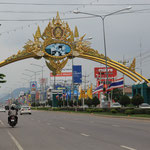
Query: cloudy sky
{"x": 127, "y": 34}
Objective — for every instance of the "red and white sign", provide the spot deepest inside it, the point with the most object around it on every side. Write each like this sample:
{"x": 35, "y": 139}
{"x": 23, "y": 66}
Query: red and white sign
{"x": 62, "y": 74}
{"x": 100, "y": 72}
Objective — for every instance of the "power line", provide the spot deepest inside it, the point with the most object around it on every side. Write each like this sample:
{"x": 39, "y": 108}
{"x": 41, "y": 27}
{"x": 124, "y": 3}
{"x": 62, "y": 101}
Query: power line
{"x": 76, "y": 4}
{"x": 39, "y": 12}
{"x": 54, "y": 12}
{"x": 46, "y": 19}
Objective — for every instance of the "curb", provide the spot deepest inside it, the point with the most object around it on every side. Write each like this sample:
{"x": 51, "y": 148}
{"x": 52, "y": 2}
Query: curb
{"x": 122, "y": 117}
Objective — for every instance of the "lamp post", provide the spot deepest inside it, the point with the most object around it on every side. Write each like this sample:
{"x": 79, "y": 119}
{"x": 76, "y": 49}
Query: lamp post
{"x": 74, "y": 44}
{"x": 28, "y": 76}
{"x": 35, "y": 72}
{"x": 42, "y": 90}
{"x": 39, "y": 66}
{"x": 103, "y": 24}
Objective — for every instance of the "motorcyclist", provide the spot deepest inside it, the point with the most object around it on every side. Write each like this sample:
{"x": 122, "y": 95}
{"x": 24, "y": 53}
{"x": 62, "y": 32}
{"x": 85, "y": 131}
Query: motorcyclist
{"x": 12, "y": 112}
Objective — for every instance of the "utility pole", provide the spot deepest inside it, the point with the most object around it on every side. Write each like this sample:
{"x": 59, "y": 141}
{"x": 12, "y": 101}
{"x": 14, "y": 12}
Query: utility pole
{"x": 85, "y": 81}
{"x": 124, "y": 62}
{"x": 140, "y": 57}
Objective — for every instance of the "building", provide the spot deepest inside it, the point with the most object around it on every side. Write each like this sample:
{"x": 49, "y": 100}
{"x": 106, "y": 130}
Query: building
{"x": 143, "y": 90}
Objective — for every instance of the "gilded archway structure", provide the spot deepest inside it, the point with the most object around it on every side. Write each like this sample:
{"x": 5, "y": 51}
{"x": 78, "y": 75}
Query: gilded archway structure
{"x": 58, "y": 43}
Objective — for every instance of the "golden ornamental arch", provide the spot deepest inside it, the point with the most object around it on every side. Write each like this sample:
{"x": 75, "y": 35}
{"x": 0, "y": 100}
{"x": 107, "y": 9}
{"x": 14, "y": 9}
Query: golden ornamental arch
{"x": 58, "y": 43}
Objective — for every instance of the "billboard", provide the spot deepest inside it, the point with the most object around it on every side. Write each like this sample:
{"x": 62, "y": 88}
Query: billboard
{"x": 100, "y": 72}
{"x": 77, "y": 74}
{"x": 33, "y": 87}
{"x": 58, "y": 49}
{"x": 62, "y": 74}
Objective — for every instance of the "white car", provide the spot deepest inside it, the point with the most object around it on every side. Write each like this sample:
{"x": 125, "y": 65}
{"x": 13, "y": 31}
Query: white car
{"x": 116, "y": 105}
{"x": 144, "y": 105}
{"x": 25, "y": 110}
{"x": 2, "y": 109}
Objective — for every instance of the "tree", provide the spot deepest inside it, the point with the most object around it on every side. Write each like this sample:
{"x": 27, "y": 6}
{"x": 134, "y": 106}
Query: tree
{"x": 2, "y": 77}
{"x": 49, "y": 102}
{"x": 95, "y": 101}
{"x": 71, "y": 103}
{"x": 79, "y": 102}
{"x": 60, "y": 102}
{"x": 124, "y": 100}
{"x": 137, "y": 100}
{"x": 88, "y": 102}
{"x": 117, "y": 94}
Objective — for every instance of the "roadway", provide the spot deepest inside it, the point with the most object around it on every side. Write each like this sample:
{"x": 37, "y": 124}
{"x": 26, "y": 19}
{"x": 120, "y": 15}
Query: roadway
{"x": 70, "y": 131}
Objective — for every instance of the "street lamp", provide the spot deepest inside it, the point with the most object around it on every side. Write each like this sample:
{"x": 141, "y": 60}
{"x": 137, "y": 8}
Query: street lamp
{"x": 39, "y": 66}
{"x": 103, "y": 22}
{"x": 42, "y": 90}
{"x": 35, "y": 72}
{"x": 74, "y": 44}
{"x": 28, "y": 76}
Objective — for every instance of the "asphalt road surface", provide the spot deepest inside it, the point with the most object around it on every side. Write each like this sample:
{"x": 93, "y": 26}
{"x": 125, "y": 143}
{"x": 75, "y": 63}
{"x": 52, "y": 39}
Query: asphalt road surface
{"x": 69, "y": 131}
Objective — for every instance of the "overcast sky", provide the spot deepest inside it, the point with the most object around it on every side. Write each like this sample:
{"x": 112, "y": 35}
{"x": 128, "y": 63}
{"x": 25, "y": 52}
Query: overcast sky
{"x": 127, "y": 34}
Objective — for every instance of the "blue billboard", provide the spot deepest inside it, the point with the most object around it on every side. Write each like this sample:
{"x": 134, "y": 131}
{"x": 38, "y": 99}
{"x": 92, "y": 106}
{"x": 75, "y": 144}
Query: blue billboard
{"x": 58, "y": 49}
{"x": 33, "y": 85}
{"x": 77, "y": 74}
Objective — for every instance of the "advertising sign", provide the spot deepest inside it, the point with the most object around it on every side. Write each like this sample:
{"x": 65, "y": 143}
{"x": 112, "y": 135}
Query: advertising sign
{"x": 33, "y": 87}
{"x": 60, "y": 87}
{"x": 100, "y": 72}
{"x": 62, "y": 74}
{"x": 77, "y": 74}
{"x": 58, "y": 49}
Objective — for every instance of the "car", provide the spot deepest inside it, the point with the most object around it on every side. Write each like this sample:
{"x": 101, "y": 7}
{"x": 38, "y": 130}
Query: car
{"x": 2, "y": 109}
{"x": 25, "y": 110}
{"x": 116, "y": 105}
{"x": 6, "y": 107}
{"x": 144, "y": 105}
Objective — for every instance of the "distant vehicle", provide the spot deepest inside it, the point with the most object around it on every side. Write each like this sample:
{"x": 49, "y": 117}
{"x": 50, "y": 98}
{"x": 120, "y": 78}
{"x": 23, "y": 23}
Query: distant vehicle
{"x": 18, "y": 107}
{"x": 25, "y": 110}
{"x": 144, "y": 105}
{"x": 2, "y": 109}
{"x": 104, "y": 104}
{"x": 6, "y": 107}
{"x": 116, "y": 105}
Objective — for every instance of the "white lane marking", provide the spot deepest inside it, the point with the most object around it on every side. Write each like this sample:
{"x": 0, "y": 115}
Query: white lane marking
{"x": 116, "y": 125}
{"x": 84, "y": 134}
{"x": 15, "y": 141}
{"x": 2, "y": 123}
{"x": 62, "y": 128}
{"x": 129, "y": 148}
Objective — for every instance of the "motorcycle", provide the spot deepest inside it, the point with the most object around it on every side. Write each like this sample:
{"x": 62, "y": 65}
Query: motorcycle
{"x": 13, "y": 120}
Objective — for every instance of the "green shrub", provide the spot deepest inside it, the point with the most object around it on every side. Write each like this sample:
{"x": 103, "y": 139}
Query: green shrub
{"x": 129, "y": 111}
{"x": 94, "y": 110}
{"x": 114, "y": 111}
{"x": 137, "y": 100}
{"x": 124, "y": 100}
{"x": 131, "y": 106}
{"x": 139, "y": 111}
{"x": 56, "y": 109}
{"x": 147, "y": 111}
{"x": 100, "y": 110}
{"x": 89, "y": 110}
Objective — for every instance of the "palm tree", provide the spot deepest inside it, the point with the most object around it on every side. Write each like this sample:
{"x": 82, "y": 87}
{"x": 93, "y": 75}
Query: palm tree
{"x": 2, "y": 77}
